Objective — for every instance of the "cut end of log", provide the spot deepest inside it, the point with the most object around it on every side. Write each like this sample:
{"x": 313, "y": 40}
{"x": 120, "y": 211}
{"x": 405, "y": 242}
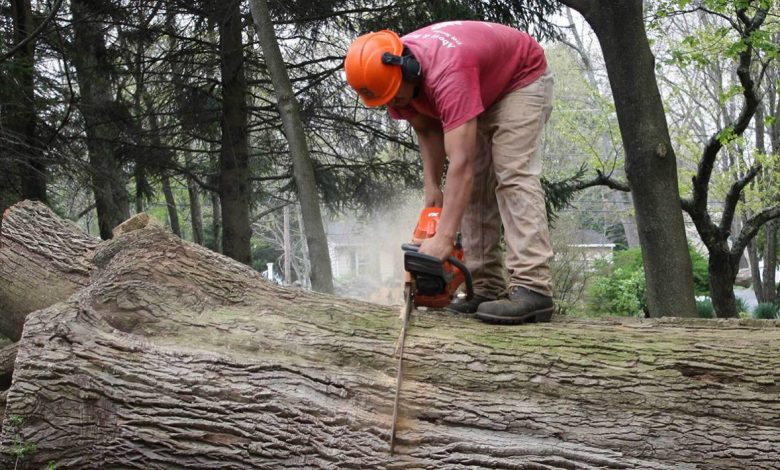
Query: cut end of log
{"x": 136, "y": 222}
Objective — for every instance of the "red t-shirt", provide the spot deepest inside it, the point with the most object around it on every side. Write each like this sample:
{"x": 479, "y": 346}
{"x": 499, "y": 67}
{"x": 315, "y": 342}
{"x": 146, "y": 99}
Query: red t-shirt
{"x": 467, "y": 66}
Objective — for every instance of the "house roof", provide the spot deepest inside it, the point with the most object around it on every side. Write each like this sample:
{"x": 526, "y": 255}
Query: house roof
{"x": 589, "y": 237}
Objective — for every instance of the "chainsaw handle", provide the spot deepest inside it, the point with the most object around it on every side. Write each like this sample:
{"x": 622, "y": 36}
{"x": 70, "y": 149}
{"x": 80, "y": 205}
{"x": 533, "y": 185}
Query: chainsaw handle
{"x": 455, "y": 262}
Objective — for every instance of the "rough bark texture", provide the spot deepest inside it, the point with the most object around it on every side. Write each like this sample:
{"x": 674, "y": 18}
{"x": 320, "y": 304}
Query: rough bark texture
{"x": 177, "y": 357}
{"x": 651, "y": 167}
{"x": 234, "y": 185}
{"x": 722, "y": 269}
{"x": 170, "y": 202}
{"x": 196, "y": 213}
{"x": 7, "y": 359}
{"x": 43, "y": 260}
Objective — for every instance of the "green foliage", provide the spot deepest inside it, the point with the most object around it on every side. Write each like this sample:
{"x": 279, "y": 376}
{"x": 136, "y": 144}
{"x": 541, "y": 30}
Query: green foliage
{"x": 621, "y": 294}
{"x": 766, "y": 311}
{"x": 558, "y": 194}
{"x": 532, "y": 15}
{"x": 705, "y": 309}
{"x": 701, "y": 278}
{"x": 19, "y": 448}
{"x": 619, "y": 288}
{"x": 742, "y": 305}
{"x": 15, "y": 420}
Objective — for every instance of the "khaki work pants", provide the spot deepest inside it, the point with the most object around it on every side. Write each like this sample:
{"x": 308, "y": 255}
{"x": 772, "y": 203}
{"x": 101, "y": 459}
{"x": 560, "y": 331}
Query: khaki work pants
{"x": 507, "y": 190}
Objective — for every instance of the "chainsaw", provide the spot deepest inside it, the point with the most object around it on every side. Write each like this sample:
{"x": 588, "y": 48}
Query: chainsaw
{"x": 430, "y": 282}
{"x": 434, "y": 283}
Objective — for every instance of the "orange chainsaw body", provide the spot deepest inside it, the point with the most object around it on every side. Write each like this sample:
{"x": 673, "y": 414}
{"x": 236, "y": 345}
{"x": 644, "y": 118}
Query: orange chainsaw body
{"x": 427, "y": 225}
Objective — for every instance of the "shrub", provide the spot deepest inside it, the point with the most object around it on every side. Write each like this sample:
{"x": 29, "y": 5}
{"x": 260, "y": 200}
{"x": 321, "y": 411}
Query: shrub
{"x": 705, "y": 309}
{"x": 619, "y": 288}
{"x": 742, "y": 305}
{"x": 701, "y": 277}
{"x": 621, "y": 294}
{"x": 766, "y": 311}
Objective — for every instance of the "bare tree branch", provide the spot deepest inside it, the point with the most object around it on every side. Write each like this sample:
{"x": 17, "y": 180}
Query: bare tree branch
{"x": 752, "y": 226}
{"x": 34, "y": 34}
{"x": 732, "y": 198}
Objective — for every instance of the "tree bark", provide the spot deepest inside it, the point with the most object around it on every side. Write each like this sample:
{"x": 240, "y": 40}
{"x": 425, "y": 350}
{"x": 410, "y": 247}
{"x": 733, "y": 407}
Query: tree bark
{"x": 100, "y": 111}
{"x": 196, "y": 213}
{"x": 170, "y": 202}
{"x": 651, "y": 167}
{"x": 43, "y": 260}
{"x": 7, "y": 359}
{"x": 216, "y": 222}
{"x": 234, "y": 185}
{"x": 770, "y": 261}
{"x": 722, "y": 268}
{"x": 287, "y": 245}
{"x": 316, "y": 240}
{"x": 177, "y": 357}
{"x": 755, "y": 271}
{"x": 21, "y": 108}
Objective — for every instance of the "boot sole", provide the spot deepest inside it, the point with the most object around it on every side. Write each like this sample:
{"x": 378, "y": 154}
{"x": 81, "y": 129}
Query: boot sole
{"x": 538, "y": 316}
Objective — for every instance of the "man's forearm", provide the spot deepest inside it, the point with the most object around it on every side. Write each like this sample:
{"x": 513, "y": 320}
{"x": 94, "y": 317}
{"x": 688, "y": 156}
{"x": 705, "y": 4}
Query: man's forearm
{"x": 433, "y": 166}
{"x": 460, "y": 180}
{"x": 460, "y": 145}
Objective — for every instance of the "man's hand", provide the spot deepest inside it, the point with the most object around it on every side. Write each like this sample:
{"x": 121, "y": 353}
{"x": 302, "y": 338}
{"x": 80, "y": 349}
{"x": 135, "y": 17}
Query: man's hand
{"x": 434, "y": 197}
{"x": 439, "y": 246}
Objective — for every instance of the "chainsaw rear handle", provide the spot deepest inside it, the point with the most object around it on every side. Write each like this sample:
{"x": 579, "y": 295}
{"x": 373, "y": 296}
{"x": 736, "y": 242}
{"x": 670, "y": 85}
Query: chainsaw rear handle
{"x": 454, "y": 261}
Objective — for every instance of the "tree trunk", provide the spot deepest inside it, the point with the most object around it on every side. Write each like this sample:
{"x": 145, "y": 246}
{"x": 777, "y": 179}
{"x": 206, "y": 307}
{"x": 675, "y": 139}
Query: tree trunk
{"x": 196, "y": 213}
{"x": 216, "y": 222}
{"x": 21, "y": 108}
{"x": 176, "y": 357}
{"x": 140, "y": 183}
{"x": 234, "y": 186}
{"x": 303, "y": 169}
{"x": 755, "y": 271}
{"x": 722, "y": 270}
{"x": 651, "y": 167}
{"x": 99, "y": 111}
{"x": 770, "y": 261}
{"x": 43, "y": 260}
{"x": 287, "y": 245}
{"x": 623, "y": 200}
{"x": 22, "y": 172}
{"x": 170, "y": 202}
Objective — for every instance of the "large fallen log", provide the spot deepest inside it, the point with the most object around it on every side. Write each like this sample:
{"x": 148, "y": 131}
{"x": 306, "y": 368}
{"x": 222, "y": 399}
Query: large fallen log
{"x": 176, "y": 357}
{"x": 43, "y": 260}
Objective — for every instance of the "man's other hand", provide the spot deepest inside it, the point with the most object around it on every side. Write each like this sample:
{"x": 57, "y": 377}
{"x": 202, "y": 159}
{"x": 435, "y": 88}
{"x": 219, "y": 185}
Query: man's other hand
{"x": 434, "y": 197}
{"x": 439, "y": 246}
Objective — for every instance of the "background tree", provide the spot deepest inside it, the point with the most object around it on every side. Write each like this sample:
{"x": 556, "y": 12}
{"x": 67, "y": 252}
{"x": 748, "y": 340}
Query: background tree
{"x": 651, "y": 166}
{"x": 736, "y": 32}
{"x": 321, "y": 274}
{"x": 105, "y": 117}
{"x": 22, "y": 163}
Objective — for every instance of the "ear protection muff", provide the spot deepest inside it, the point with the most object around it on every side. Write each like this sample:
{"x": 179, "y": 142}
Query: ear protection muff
{"x": 410, "y": 68}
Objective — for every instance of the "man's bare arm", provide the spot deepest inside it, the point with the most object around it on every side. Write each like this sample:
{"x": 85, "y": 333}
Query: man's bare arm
{"x": 431, "y": 139}
{"x": 460, "y": 147}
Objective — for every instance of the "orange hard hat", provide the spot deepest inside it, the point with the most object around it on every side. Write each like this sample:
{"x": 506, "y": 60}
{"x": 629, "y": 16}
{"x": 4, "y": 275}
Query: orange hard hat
{"x": 376, "y": 82}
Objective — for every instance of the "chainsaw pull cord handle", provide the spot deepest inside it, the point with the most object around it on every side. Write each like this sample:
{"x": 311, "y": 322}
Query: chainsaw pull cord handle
{"x": 455, "y": 262}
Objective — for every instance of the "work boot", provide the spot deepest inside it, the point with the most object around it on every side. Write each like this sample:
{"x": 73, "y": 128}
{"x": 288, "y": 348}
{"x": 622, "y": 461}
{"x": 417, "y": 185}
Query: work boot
{"x": 460, "y": 305}
{"x": 521, "y": 306}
